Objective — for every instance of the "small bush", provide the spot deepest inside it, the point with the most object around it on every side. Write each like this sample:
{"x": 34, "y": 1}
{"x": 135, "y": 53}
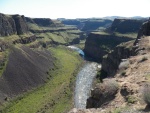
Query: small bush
{"x": 101, "y": 75}
{"x": 146, "y": 93}
{"x": 143, "y": 59}
{"x": 123, "y": 73}
{"x": 131, "y": 99}
{"x": 124, "y": 64}
{"x": 103, "y": 93}
{"x": 111, "y": 86}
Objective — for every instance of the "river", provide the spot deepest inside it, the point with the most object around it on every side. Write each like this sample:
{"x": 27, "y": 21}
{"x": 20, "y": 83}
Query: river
{"x": 84, "y": 81}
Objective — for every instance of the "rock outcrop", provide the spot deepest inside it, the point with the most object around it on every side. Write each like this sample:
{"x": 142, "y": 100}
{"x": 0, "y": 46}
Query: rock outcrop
{"x": 21, "y": 25}
{"x": 144, "y": 30}
{"x": 89, "y": 24}
{"x": 3, "y": 45}
{"x": 102, "y": 94}
{"x": 25, "y": 40}
{"x": 7, "y": 25}
{"x": 14, "y": 24}
{"x": 111, "y": 63}
{"x": 97, "y": 45}
{"x": 43, "y": 21}
{"x": 126, "y": 25}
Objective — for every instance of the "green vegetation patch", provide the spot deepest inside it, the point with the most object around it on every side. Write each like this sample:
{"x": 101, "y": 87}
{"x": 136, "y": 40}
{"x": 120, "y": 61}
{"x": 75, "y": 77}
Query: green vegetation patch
{"x": 3, "y": 61}
{"x": 131, "y": 99}
{"x": 81, "y": 45}
{"x": 129, "y": 35}
{"x": 56, "y": 95}
{"x": 33, "y": 26}
{"x": 10, "y": 38}
{"x": 101, "y": 33}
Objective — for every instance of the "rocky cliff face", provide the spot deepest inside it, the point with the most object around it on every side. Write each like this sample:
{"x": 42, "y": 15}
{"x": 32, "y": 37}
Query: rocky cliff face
{"x": 95, "y": 24}
{"x": 43, "y": 21}
{"x": 111, "y": 63}
{"x": 144, "y": 30}
{"x": 14, "y": 24}
{"x": 7, "y": 25}
{"x": 88, "y": 25}
{"x": 97, "y": 45}
{"x": 21, "y": 25}
{"x": 126, "y": 25}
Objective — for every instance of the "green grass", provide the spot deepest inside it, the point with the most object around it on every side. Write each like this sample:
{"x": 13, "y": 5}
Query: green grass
{"x": 34, "y": 26}
{"x": 56, "y": 95}
{"x": 148, "y": 77}
{"x": 130, "y": 35}
{"x": 101, "y": 33}
{"x": 81, "y": 45}
{"x": 10, "y": 38}
{"x": 4, "y": 58}
{"x": 56, "y": 37}
{"x": 131, "y": 99}
{"x": 59, "y": 37}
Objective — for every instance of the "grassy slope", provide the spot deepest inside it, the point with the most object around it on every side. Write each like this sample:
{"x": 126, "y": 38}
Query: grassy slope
{"x": 56, "y": 95}
{"x": 3, "y": 61}
{"x": 61, "y": 37}
{"x": 81, "y": 45}
{"x": 130, "y": 35}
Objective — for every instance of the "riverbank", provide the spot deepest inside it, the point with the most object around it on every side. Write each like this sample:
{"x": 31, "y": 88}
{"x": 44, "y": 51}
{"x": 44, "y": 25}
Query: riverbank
{"x": 55, "y": 95}
{"x": 84, "y": 83}
{"x": 84, "y": 80}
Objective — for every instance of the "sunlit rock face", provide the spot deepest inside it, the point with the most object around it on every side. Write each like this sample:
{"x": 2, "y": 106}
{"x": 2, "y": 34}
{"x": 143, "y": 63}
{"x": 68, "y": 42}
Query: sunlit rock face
{"x": 12, "y": 24}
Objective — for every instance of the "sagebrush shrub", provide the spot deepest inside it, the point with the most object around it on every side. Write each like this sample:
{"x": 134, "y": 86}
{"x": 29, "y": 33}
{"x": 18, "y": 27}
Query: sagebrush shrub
{"x": 111, "y": 86}
{"x": 146, "y": 93}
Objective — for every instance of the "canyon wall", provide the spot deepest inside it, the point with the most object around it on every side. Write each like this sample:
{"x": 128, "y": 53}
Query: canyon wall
{"x": 97, "y": 45}
{"x": 10, "y": 25}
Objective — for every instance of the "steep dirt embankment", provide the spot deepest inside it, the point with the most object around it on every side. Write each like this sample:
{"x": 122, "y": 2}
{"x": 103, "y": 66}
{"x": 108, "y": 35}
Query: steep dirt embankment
{"x": 10, "y": 25}
{"x": 97, "y": 45}
{"x": 25, "y": 70}
{"x": 126, "y": 25}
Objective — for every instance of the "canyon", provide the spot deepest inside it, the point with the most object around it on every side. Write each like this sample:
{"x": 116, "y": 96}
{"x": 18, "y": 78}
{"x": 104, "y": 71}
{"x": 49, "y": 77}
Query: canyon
{"x": 125, "y": 78}
{"x": 39, "y": 67}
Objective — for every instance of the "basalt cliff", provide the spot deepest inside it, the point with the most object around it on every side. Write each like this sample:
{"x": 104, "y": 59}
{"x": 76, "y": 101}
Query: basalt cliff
{"x": 98, "y": 44}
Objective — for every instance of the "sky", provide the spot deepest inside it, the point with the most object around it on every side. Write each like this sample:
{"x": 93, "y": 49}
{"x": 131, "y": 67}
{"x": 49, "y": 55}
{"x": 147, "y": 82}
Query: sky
{"x": 75, "y": 8}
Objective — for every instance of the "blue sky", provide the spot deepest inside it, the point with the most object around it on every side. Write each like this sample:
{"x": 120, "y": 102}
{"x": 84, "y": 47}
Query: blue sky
{"x": 75, "y": 8}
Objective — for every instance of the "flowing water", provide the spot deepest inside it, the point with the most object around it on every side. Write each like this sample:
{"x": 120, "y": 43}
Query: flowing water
{"x": 84, "y": 81}
{"x": 84, "y": 84}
